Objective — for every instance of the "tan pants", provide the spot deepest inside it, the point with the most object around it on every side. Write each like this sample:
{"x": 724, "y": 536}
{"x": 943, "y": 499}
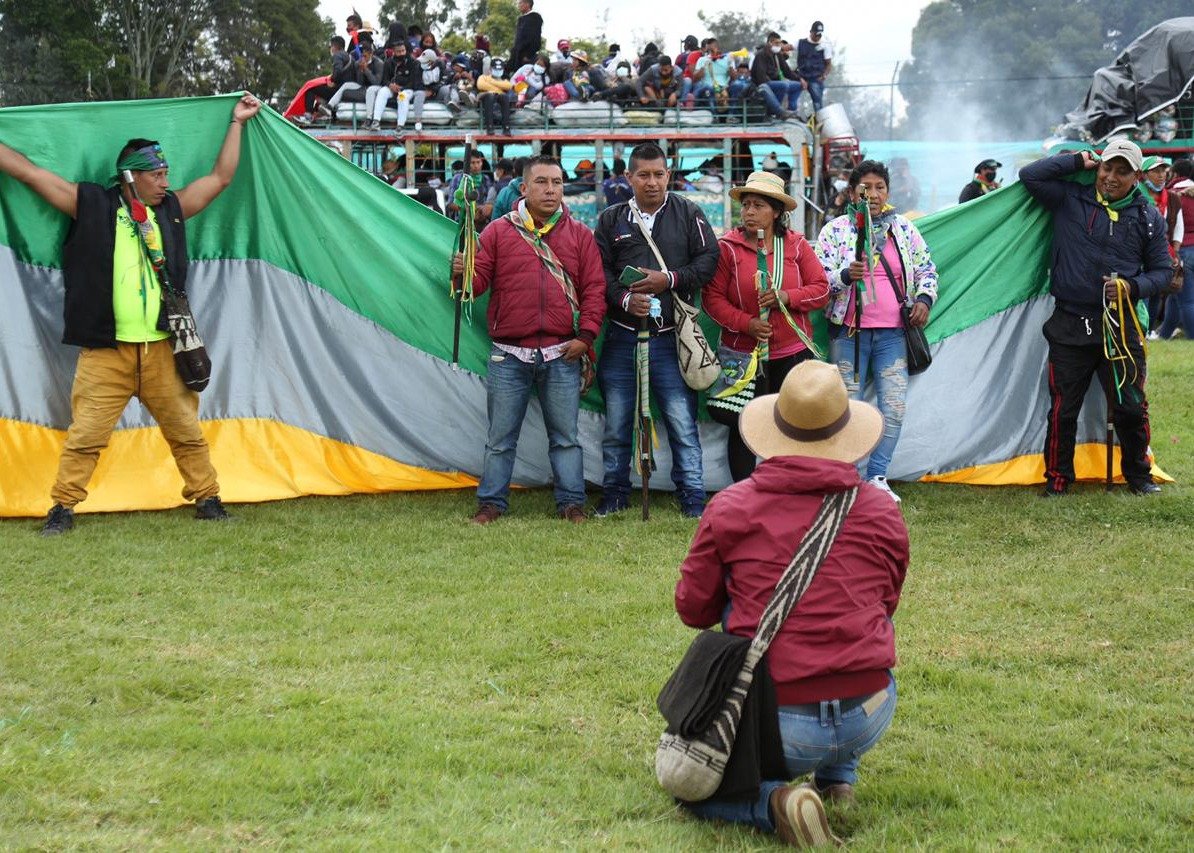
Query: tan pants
{"x": 105, "y": 381}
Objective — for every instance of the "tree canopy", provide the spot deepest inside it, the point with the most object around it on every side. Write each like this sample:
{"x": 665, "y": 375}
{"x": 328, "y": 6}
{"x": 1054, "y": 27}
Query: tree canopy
{"x": 734, "y": 30}
{"x": 74, "y": 50}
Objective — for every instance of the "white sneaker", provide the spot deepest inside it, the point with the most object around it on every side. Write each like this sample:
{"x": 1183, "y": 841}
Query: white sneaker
{"x": 1154, "y": 336}
{"x": 881, "y": 483}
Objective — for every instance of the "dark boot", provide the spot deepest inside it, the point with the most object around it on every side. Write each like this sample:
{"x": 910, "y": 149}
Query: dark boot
{"x": 58, "y": 520}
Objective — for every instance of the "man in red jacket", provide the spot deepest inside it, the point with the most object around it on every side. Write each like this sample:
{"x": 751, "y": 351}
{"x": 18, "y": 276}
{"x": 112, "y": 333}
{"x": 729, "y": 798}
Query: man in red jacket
{"x": 831, "y": 660}
{"x": 545, "y": 311}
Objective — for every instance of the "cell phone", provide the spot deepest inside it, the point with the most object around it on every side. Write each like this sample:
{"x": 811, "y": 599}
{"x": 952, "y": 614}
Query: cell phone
{"x": 631, "y": 275}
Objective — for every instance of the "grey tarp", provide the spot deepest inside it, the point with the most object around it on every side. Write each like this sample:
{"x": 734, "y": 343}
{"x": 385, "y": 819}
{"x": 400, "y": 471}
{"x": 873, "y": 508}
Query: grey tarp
{"x": 1149, "y": 75}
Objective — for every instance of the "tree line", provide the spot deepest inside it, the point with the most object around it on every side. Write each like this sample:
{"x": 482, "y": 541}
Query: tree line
{"x": 80, "y": 50}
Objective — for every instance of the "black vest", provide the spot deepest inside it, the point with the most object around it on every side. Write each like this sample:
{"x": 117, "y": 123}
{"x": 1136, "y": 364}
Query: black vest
{"x": 87, "y": 263}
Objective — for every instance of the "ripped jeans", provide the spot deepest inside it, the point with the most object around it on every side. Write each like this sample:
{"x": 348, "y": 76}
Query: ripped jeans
{"x": 883, "y": 359}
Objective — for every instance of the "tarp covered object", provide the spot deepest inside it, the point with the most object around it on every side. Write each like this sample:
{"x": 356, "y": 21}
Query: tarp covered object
{"x": 323, "y": 296}
{"x": 1150, "y": 74}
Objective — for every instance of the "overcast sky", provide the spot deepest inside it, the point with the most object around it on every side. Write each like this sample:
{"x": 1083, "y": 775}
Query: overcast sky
{"x": 871, "y": 48}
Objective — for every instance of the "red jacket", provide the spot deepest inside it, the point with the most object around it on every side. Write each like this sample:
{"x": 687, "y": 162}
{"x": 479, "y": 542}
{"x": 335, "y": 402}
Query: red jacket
{"x": 1187, "y": 210}
{"x": 839, "y": 640}
{"x": 732, "y": 300}
{"x": 528, "y": 307}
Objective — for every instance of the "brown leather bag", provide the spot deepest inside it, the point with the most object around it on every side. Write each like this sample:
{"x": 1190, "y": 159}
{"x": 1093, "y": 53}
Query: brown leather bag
{"x": 1179, "y": 277}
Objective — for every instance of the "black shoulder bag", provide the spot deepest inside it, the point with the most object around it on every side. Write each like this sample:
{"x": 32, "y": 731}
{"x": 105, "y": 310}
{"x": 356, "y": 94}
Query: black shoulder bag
{"x": 919, "y": 357}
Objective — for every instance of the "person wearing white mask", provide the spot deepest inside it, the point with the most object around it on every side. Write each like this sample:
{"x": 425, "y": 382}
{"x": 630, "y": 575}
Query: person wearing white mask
{"x": 620, "y": 86}
{"x": 775, "y": 79}
{"x": 530, "y": 79}
{"x": 495, "y": 96}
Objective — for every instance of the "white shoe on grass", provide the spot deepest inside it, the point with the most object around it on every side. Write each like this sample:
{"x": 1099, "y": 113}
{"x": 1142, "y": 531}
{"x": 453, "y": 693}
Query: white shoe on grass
{"x": 881, "y": 483}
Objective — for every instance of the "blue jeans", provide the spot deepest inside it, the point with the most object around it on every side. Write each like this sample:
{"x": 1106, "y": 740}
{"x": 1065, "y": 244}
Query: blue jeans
{"x": 883, "y": 359}
{"x": 508, "y": 391}
{"x": 1180, "y": 307}
{"x": 816, "y": 91}
{"x": 702, "y": 94}
{"x": 675, "y": 401}
{"x": 828, "y": 744}
{"x": 789, "y": 89}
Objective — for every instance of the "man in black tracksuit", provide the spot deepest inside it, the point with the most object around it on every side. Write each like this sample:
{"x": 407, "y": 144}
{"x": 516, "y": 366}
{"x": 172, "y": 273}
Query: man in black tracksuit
{"x": 1108, "y": 247}
{"x": 690, "y": 252}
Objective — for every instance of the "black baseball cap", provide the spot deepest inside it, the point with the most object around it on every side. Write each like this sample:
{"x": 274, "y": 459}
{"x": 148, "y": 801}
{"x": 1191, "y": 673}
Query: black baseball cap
{"x": 988, "y": 164}
{"x": 817, "y": 27}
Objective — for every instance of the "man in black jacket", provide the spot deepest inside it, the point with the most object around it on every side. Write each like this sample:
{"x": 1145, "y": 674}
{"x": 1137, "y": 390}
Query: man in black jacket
{"x": 690, "y": 252}
{"x": 982, "y": 183}
{"x": 315, "y": 98}
{"x": 113, "y": 310}
{"x": 364, "y": 72}
{"x": 528, "y": 34}
{"x": 400, "y": 77}
{"x": 1109, "y": 252}
{"x": 774, "y": 79}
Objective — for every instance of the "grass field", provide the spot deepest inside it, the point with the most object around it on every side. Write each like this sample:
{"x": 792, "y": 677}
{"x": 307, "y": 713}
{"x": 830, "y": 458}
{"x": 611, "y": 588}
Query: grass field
{"x": 376, "y": 673}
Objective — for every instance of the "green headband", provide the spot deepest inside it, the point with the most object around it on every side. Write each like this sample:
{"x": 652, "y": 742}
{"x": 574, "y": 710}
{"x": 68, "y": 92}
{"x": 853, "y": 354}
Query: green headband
{"x": 147, "y": 159}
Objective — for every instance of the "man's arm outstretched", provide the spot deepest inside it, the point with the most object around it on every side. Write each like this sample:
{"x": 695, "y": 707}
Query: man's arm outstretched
{"x": 59, "y": 192}
{"x": 201, "y": 192}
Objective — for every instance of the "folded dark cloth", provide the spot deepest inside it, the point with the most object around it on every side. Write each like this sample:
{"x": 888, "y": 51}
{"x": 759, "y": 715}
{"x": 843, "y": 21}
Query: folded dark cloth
{"x": 758, "y": 752}
{"x": 696, "y": 692}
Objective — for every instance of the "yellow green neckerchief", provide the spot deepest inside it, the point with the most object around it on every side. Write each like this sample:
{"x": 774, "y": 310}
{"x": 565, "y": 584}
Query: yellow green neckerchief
{"x": 1114, "y": 207}
{"x": 537, "y": 232}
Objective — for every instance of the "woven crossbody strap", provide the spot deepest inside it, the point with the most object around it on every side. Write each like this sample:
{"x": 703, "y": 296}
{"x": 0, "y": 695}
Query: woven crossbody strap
{"x": 549, "y": 259}
{"x": 813, "y": 550}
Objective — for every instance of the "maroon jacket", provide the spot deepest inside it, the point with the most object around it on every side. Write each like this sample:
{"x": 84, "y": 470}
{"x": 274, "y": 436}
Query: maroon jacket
{"x": 732, "y": 299}
{"x": 839, "y": 640}
{"x": 528, "y": 307}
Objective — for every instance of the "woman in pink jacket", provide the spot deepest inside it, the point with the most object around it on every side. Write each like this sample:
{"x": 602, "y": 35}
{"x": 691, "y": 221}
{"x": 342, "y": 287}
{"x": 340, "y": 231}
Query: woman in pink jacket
{"x": 796, "y": 284}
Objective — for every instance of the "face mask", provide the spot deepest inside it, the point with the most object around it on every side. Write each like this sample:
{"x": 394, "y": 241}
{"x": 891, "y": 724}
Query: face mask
{"x": 498, "y": 72}
{"x": 540, "y": 69}
{"x": 775, "y": 48}
{"x": 1154, "y": 187}
{"x": 623, "y": 72}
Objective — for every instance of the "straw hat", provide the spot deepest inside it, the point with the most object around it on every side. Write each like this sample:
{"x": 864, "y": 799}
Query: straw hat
{"x": 768, "y": 184}
{"x": 812, "y": 415}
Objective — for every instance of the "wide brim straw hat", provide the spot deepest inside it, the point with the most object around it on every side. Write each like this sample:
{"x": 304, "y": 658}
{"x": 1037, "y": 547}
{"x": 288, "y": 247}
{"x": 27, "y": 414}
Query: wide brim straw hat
{"x": 812, "y": 415}
{"x": 768, "y": 184}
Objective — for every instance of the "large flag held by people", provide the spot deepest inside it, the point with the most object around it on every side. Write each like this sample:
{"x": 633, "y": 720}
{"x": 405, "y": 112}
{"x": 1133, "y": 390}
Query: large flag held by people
{"x": 322, "y": 295}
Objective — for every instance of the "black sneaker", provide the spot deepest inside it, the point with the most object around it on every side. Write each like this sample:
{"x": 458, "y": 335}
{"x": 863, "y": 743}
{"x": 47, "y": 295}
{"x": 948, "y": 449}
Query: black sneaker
{"x": 58, "y": 520}
{"x": 609, "y": 506}
{"x": 211, "y": 509}
{"x": 692, "y": 510}
{"x": 1145, "y": 489}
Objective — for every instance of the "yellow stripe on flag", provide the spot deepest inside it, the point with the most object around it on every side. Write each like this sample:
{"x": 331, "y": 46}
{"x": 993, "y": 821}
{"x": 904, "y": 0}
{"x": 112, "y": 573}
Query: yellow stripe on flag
{"x": 1090, "y": 466}
{"x": 256, "y": 459}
